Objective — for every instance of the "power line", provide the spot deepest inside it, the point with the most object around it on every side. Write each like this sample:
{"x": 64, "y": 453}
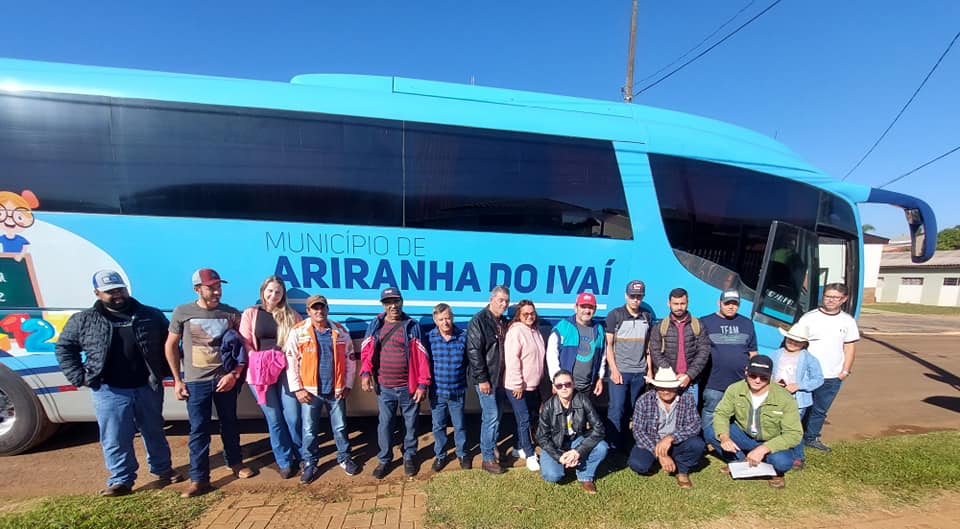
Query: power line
{"x": 705, "y": 39}
{"x": 910, "y": 172}
{"x": 706, "y": 51}
{"x": 892, "y": 123}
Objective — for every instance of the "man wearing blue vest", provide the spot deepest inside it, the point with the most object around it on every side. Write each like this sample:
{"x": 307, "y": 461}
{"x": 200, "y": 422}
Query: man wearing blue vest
{"x": 579, "y": 346}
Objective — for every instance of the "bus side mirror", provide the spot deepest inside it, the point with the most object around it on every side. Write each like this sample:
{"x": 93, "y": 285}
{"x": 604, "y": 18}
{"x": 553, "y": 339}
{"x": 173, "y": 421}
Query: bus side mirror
{"x": 918, "y": 234}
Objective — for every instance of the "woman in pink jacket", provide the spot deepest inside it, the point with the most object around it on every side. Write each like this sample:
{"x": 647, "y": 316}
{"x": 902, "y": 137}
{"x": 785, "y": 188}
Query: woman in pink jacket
{"x": 523, "y": 368}
{"x": 264, "y": 328}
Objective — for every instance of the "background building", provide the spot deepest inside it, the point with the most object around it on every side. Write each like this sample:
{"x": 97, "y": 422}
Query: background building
{"x": 935, "y": 282}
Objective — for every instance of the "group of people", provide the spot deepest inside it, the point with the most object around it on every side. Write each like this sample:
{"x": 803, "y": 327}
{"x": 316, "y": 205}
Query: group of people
{"x": 296, "y": 368}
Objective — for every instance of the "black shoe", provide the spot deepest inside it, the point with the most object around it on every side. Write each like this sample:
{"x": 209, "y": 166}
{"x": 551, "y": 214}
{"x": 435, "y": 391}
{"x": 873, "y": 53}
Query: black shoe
{"x": 350, "y": 467}
{"x": 310, "y": 474}
{"x": 817, "y": 444}
{"x": 465, "y": 463}
{"x": 381, "y": 471}
{"x": 114, "y": 491}
{"x": 170, "y": 477}
{"x": 287, "y": 473}
{"x": 409, "y": 468}
{"x": 439, "y": 463}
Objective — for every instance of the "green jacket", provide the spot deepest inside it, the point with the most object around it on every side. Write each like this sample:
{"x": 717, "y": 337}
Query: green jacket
{"x": 779, "y": 417}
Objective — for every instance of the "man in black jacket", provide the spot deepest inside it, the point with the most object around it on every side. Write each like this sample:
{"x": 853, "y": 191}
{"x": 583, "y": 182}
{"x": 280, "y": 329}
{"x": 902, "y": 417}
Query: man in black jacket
{"x": 485, "y": 352}
{"x": 570, "y": 434}
{"x": 124, "y": 369}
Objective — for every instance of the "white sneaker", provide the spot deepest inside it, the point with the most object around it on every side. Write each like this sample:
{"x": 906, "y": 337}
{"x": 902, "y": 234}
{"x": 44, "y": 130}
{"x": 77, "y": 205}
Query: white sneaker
{"x": 521, "y": 454}
{"x": 532, "y": 464}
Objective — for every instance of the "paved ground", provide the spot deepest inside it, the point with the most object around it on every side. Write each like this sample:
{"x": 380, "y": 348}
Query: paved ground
{"x": 902, "y": 383}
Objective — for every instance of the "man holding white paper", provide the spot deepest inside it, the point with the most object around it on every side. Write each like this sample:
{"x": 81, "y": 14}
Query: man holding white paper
{"x": 756, "y": 421}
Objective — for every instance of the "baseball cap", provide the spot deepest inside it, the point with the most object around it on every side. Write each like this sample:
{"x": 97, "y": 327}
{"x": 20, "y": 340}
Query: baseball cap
{"x": 730, "y": 295}
{"x": 586, "y": 298}
{"x": 760, "y": 365}
{"x": 314, "y": 299}
{"x": 106, "y": 280}
{"x": 390, "y": 292}
{"x": 206, "y": 276}
{"x": 636, "y": 287}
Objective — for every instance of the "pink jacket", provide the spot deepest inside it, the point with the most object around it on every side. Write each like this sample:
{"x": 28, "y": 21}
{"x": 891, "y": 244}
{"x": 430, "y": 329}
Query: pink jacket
{"x": 264, "y": 369}
{"x": 523, "y": 353}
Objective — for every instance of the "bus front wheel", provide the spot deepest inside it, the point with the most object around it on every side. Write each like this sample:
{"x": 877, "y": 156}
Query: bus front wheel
{"x": 23, "y": 423}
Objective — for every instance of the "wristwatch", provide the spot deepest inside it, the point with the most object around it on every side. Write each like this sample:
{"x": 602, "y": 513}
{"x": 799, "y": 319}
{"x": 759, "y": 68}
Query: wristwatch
{"x": 845, "y": 372}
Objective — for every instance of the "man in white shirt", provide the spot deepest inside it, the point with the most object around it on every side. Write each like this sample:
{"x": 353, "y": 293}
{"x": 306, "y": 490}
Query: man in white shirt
{"x": 833, "y": 339}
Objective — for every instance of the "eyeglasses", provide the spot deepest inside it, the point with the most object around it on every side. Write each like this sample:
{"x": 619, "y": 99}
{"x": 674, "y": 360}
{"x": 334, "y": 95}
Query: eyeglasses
{"x": 563, "y": 385}
{"x": 758, "y": 377}
{"x": 392, "y": 302}
{"x": 637, "y": 297}
{"x": 833, "y": 297}
{"x": 22, "y": 217}
{"x": 318, "y": 306}
{"x": 528, "y": 314}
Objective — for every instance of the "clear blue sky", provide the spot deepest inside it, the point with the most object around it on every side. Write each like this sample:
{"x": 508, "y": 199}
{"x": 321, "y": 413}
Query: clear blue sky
{"x": 825, "y": 77}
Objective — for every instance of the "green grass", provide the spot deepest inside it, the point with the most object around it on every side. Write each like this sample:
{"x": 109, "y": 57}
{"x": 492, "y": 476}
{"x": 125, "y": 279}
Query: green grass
{"x": 911, "y": 308}
{"x": 143, "y": 510}
{"x": 854, "y": 477}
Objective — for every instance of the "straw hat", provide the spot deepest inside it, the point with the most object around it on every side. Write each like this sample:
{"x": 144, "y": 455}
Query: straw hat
{"x": 665, "y": 378}
{"x": 796, "y": 333}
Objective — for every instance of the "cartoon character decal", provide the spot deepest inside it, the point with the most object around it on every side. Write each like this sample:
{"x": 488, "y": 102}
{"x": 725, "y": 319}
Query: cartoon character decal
{"x": 16, "y": 215}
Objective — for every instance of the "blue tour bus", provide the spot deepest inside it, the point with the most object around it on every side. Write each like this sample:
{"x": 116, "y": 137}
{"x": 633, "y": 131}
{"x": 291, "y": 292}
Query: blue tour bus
{"x": 343, "y": 185}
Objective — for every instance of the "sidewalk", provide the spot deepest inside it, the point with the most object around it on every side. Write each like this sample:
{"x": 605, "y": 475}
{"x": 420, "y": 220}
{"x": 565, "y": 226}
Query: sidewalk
{"x": 394, "y": 506}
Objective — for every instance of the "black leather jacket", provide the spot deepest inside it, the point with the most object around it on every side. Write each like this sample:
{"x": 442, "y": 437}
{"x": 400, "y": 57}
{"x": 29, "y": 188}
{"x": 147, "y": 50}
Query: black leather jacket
{"x": 584, "y": 419}
{"x": 485, "y": 348}
{"x": 90, "y": 331}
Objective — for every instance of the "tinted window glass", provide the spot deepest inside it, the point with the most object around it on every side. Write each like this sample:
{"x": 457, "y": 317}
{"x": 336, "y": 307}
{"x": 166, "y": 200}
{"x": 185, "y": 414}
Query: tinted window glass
{"x": 49, "y": 146}
{"x": 722, "y": 214}
{"x": 474, "y": 179}
{"x": 188, "y": 160}
{"x": 102, "y": 155}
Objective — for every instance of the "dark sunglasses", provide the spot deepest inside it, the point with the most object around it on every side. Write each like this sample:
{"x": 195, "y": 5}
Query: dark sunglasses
{"x": 563, "y": 385}
{"x": 758, "y": 377}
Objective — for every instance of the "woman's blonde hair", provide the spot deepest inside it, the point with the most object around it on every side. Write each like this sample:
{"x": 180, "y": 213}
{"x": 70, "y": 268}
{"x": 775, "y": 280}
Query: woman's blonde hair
{"x": 285, "y": 317}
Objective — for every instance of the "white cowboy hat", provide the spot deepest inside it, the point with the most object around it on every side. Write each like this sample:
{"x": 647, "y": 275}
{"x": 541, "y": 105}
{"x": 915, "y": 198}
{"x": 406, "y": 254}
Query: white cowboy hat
{"x": 796, "y": 333}
{"x": 665, "y": 378}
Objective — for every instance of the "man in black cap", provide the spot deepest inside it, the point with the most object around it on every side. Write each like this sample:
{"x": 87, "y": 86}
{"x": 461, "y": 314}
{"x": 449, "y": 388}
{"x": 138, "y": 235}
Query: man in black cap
{"x": 627, "y": 331}
{"x": 765, "y": 420}
{"x": 124, "y": 368}
{"x": 394, "y": 362}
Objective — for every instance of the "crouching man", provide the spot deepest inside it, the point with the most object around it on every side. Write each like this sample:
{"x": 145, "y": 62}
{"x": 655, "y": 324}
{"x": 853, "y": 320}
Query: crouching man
{"x": 570, "y": 434}
{"x": 666, "y": 427}
{"x": 765, "y": 420}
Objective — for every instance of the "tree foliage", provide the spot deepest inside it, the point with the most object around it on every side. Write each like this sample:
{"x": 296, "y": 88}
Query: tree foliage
{"x": 949, "y": 239}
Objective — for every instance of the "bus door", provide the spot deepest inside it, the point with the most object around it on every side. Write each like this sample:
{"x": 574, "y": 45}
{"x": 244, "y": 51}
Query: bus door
{"x": 790, "y": 275}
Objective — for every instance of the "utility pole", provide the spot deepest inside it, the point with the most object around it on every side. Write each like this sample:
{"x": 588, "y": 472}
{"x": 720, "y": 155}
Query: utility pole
{"x": 628, "y": 86}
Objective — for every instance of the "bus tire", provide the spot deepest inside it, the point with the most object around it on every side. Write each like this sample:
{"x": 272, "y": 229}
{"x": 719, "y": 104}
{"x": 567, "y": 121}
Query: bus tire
{"x": 21, "y": 407}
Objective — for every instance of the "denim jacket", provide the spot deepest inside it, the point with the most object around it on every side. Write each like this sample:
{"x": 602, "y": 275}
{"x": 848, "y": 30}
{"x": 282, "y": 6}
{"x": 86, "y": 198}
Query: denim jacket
{"x": 809, "y": 376}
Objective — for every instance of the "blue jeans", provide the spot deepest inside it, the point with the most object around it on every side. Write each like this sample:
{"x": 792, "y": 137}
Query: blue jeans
{"x": 686, "y": 455}
{"x": 797, "y": 452}
{"x": 490, "y": 411}
{"x": 619, "y": 410}
{"x": 553, "y": 471}
{"x": 440, "y": 408}
{"x": 822, "y": 399}
{"x": 337, "y": 410}
{"x": 526, "y": 411}
{"x": 693, "y": 388}
{"x": 782, "y": 461}
{"x": 203, "y": 396}
{"x": 388, "y": 400}
{"x": 711, "y": 397}
{"x": 282, "y": 412}
{"x": 120, "y": 413}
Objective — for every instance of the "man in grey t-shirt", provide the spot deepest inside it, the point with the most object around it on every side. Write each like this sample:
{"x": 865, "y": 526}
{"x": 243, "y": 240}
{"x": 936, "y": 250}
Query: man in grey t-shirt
{"x": 628, "y": 330}
{"x": 198, "y": 328}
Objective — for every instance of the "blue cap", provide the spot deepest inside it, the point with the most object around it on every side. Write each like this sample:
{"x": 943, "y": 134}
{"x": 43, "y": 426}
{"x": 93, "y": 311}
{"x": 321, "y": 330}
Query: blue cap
{"x": 106, "y": 280}
{"x": 390, "y": 292}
